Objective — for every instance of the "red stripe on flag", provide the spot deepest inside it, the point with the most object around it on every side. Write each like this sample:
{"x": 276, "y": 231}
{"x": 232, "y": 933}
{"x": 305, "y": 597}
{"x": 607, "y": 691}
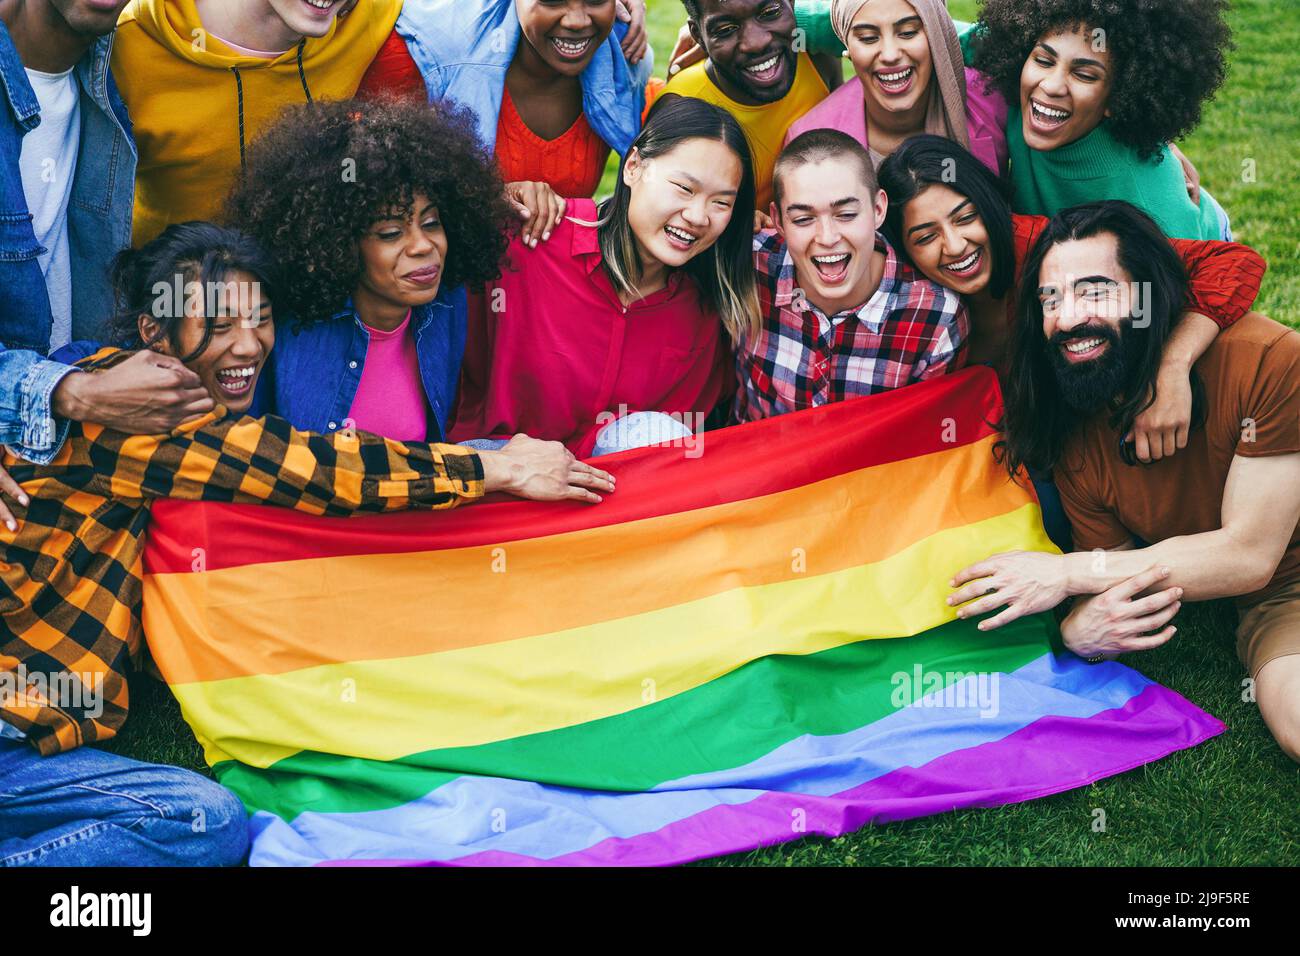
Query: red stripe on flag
{"x": 746, "y": 461}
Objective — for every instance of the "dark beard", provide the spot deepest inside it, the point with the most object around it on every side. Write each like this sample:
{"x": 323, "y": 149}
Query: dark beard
{"x": 1091, "y": 386}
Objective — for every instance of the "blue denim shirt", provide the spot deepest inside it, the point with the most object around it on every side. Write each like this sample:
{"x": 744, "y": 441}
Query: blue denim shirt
{"x": 313, "y": 374}
{"x": 464, "y": 47}
{"x": 99, "y": 224}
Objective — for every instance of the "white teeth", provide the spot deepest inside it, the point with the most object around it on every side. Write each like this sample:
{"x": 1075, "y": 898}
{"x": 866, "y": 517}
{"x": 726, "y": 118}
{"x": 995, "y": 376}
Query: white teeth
{"x": 679, "y": 233}
{"x": 570, "y": 47}
{"x": 830, "y": 260}
{"x": 964, "y": 264}
{"x": 895, "y": 77}
{"x": 236, "y": 373}
{"x": 764, "y": 66}
{"x": 1048, "y": 112}
{"x": 1083, "y": 346}
{"x": 321, "y": 4}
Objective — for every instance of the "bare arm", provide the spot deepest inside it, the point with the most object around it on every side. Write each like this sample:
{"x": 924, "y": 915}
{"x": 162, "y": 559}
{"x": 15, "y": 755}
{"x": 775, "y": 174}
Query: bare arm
{"x": 1261, "y": 506}
{"x": 1163, "y": 427}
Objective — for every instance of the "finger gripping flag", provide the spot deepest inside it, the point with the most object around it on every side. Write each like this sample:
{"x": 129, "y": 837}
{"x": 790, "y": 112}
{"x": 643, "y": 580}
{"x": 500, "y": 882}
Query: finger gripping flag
{"x": 746, "y": 643}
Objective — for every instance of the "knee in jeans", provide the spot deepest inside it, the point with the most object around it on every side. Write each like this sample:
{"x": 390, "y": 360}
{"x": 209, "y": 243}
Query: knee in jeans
{"x": 217, "y": 822}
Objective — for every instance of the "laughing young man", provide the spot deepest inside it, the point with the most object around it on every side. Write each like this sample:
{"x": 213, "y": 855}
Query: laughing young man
{"x": 755, "y": 71}
{"x": 1101, "y": 294}
{"x": 843, "y": 315}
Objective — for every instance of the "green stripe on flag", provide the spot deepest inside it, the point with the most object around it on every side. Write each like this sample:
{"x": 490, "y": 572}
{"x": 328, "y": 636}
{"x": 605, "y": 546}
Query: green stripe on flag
{"x": 728, "y": 722}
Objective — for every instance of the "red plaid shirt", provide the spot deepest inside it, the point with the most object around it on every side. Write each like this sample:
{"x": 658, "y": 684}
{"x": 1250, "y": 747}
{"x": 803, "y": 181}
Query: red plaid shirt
{"x": 912, "y": 329}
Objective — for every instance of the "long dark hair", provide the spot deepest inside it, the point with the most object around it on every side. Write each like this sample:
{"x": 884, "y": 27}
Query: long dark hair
{"x": 1038, "y": 423}
{"x": 155, "y": 279}
{"x": 928, "y": 160}
{"x": 724, "y": 274}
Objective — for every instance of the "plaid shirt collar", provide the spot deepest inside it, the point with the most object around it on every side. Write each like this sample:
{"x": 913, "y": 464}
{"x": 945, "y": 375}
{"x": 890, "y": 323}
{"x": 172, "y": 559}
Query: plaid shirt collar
{"x": 872, "y": 313}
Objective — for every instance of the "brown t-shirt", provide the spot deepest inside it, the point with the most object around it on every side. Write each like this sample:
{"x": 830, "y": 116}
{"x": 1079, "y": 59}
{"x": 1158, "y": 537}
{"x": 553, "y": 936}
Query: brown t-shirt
{"x": 1252, "y": 388}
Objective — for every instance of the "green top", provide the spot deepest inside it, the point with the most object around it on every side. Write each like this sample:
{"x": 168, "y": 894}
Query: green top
{"x": 813, "y": 17}
{"x": 1099, "y": 167}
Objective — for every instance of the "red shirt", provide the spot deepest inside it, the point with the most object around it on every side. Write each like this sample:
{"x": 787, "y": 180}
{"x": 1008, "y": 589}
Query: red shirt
{"x": 550, "y": 346}
{"x": 392, "y": 73}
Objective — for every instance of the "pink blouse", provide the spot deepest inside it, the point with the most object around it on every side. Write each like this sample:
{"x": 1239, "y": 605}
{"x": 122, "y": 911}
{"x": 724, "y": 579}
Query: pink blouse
{"x": 553, "y": 353}
{"x": 390, "y": 396}
{"x": 986, "y": 118}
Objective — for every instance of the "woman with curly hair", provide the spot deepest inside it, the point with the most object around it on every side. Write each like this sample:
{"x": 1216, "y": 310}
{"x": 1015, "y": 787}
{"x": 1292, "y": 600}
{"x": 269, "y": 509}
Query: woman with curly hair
{"x": 379, "y": 214}
{"x": 1099, "y": 89}
{"x": 627, "y": 309}
{"x": 911, "y": 79}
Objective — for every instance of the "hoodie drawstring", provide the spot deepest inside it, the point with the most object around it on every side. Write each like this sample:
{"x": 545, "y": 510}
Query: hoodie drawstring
{"x": 302, "y": 74}
{"x": 239, "y": 95}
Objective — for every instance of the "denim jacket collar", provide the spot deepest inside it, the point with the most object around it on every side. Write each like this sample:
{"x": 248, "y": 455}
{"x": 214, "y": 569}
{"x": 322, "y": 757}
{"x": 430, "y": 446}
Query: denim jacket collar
{"x": 91, "y": 71}
{"x": 421, "y": 315}
{"x": 18, "y": 92}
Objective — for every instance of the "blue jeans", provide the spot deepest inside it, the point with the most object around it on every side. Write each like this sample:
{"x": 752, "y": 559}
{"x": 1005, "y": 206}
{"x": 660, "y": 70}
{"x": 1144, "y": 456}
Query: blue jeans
{"x": 87, "y": 807}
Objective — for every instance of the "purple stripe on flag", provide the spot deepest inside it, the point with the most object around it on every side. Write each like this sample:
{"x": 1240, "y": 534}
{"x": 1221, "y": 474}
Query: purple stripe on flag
{"x": 1050, "y": 755}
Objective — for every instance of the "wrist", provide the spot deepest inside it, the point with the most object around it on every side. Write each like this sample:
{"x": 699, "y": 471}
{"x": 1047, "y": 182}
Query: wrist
{"x": 1074, "y": 641}
{"x": 71, "y": 398}
{"x": 499, "y": 472}
{"x": 1175, "y": 366}
{"x": 1075, "y": 570}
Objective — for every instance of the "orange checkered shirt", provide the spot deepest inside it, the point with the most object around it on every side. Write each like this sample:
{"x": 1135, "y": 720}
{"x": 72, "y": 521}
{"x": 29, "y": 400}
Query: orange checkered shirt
{"x": 71, "y": 576}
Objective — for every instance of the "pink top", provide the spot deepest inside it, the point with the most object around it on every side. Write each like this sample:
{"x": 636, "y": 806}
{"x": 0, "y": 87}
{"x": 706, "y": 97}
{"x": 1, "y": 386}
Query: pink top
{"x": 550, "y": 346}
{"x": 986, "y": 118}
{"x": 390, "y": 396}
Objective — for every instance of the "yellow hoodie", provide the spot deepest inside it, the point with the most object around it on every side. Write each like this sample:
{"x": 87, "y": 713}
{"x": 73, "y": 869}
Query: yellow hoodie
{"x": 196, "y": 104}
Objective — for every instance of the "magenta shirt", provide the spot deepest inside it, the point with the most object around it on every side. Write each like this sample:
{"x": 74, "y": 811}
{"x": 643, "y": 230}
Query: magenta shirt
{"x": 986, "y": 118}
{"x": 551, "y": 350}
{"x": 390, "y": 396}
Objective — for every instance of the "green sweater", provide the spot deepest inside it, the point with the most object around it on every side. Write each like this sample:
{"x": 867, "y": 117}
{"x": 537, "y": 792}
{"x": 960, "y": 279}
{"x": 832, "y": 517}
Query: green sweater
{"x": 1098, "y": 167}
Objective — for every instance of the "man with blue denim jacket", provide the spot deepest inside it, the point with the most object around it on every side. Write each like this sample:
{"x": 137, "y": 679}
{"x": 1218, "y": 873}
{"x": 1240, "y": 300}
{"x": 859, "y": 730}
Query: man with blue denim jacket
{"x": 65, "y": 209}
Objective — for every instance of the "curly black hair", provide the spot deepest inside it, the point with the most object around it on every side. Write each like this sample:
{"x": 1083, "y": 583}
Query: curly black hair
{"x": 1169, "y": 57}
{"x": 325, "y": 172}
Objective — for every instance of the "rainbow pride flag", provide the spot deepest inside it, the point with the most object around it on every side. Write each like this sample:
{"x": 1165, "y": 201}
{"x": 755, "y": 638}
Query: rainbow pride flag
{"x": 745, "y": 644}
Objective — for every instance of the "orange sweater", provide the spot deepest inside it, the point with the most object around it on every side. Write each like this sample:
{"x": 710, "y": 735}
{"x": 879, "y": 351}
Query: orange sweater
{"x": 572, "y": 163}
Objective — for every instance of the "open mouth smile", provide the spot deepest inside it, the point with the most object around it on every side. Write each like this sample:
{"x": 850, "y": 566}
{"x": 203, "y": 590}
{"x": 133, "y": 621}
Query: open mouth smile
{"x": 1083, "y": 350}
{"x": 765, "y": 71}
{"x": 679, "y": 238}
{"x": 1046, "y": 118}
{"x": 895, "y": 82}
{"x": 832, "y": 268}
{"x": 236, "y": 381}
{"x": 570, "y": 48}
{"x": 967, "y": 267}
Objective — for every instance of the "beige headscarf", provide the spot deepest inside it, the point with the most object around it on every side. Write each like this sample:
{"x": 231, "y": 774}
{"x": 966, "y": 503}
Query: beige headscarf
{"x": 945, "y": 114}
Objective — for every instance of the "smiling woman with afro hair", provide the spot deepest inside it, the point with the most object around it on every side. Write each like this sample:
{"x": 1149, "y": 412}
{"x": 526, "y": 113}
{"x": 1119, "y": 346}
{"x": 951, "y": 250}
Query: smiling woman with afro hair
{"x": 1098, "y": 90}
{"x": 378, "y": 214}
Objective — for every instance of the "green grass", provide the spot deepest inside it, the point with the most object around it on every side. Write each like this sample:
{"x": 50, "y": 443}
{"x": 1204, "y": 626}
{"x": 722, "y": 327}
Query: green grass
{"x": 1231, "y": 801}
